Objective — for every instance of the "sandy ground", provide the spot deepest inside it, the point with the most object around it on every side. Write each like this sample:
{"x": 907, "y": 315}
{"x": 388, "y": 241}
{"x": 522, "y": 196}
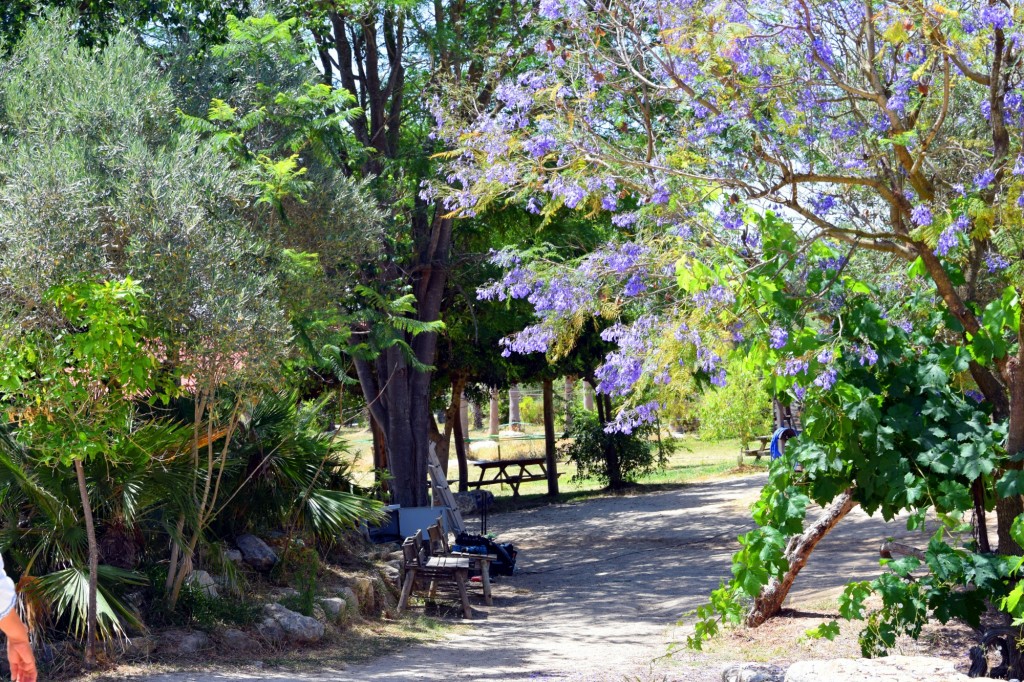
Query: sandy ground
{"x": 601, "y": 586}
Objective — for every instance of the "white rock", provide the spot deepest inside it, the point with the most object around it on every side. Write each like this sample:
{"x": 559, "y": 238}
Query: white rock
{"x": 886, "y": 669}
{"x": 752, "y": 672}
{"x": 336, "y": 609}
{"x": 349, "y": 595}
{"x": 297, "y": 628}
{"x": 205, "y": 582}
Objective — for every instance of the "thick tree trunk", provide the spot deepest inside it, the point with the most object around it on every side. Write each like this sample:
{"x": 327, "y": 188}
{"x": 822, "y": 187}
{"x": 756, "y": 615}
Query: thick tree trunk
{"x": 495, "y": 422}
{"x": 549, "y": 437}
{"x": 611, "y": 454}
{"x": 588, "y": 396}
{"x": 464, "y": 415}
{"x": 798, "y": 550}
{"x": 513, "y": 409}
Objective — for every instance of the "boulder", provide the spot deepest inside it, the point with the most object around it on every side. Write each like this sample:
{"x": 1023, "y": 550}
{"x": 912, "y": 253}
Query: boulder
{"x": 233, "y": 555}
{"x": 271, "y": 631}
{"x": 256, "y": 553}
{"x": 885, "y": 669}
{"x": 237, "y": 642}
{"x": 182, "y": 643}
{"x": 349, "y": 595}
{"x": 393, "y": 573}
{"x": 752, "y": 672}
{"x": 363, "y": 587}
{"x": 286, "y": 593}
{"x": 205, "y": 582}
{"x": 336, "y": 609}
{"x": 139, "y": 647}
{"x": 297, "y": 628}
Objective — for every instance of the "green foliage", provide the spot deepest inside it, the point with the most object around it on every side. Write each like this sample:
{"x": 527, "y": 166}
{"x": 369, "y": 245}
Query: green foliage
{"x": 741, "y": 409}
{"x": 196, "y": 608}
{"x": 591, "y": 448}
{"x": 67, "y": 593}
{"x": 302, "y": 565}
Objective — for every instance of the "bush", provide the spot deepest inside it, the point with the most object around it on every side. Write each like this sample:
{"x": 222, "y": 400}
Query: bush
{"x": 613, "y": 458}
{"x": 741, "y": 409}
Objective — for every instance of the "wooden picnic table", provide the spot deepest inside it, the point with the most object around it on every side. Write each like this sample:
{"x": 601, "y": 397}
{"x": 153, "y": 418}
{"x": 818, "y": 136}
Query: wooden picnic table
{"x": 510, "y": 472}
{"x": 763, "y": 450}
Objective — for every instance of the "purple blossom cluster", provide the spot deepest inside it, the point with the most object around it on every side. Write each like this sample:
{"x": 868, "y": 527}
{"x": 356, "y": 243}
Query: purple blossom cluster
{"x": 921, "y": 215}
{"x": 949, "y": 239}
{"x": 777, "y": 337}
{"x": 536, "y": 338}
{"x": 628, "y": 420}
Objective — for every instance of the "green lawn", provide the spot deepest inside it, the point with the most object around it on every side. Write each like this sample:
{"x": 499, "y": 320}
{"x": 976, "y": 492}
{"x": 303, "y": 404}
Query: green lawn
{"x": 694, "y": 460}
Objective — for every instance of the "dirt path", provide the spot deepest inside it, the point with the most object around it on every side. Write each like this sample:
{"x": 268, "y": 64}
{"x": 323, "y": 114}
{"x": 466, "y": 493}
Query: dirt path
{"x": 601, "y": 586}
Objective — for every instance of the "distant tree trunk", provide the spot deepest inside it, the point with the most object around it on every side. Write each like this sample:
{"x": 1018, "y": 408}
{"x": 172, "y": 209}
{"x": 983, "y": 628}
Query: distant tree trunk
{"x": 478, "y": 416}
{"x": 464, "y": 415}
{"x": 588, "y": 396}
{"x": 94, "y": 565}
{"x": 549, "y": 437}
{"x": 513, "y": 409}
{"x": 798, "y": 550}
{"x": 495, "y": 424}
{"x": 568, "y": 403}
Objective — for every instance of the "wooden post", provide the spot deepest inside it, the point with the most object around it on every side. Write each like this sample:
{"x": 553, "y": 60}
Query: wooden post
{"x": 569, "y": 390}
{"x": 549, "y": 437}
{"x": 495, "y": 413}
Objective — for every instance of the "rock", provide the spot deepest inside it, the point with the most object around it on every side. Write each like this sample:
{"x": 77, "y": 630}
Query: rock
{"x": 393, "y": 574}
{"x": 237, "y": 641}
{"x": 205, "y": 582}
{"x": 752, "y": 672}
{"x": 256, "y": 553}
{"x": 271, "y": 631}
{"x": 184, "y": 643}
{"x": 886, "y": 669}
{"x": 349, "y": 595}
{"x": 286, "y": 593}
{"x": 336, "y": 609}
{"x": 297, "y": 628}
{"x": 363, "y": 587}
{"x": 139, "y": 647}
{"x": 233, "y": 555}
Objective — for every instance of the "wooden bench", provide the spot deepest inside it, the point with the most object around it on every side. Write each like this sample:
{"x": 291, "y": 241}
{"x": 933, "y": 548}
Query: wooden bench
{"x": 439, "y": 547}
{"x": 764, "y": 450}
{"x": 420, "y": 565}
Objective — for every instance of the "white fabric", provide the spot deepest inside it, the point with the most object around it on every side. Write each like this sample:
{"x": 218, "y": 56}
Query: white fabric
{"x": 8, "y": 597}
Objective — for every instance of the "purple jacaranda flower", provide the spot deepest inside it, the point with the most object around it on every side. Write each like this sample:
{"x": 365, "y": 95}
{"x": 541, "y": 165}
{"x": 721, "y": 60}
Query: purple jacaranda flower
{"x": 921, "y": 215}
{"x": 984, "y": 178}
{"x": 609, "y": 202}
{"x": 629, "y": 419}
{"x": 777, "y": 337}
{"x": 995, "y": 262}
{"x": 799, "y": 391}
{"x": 976, "y": 396}
{"x": 826, "y": 379}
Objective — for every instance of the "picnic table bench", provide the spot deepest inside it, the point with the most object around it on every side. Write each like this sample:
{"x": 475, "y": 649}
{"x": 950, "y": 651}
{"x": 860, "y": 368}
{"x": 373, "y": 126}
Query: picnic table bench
{"x": 510, "y": 472}
{"x": 762, "y": 450}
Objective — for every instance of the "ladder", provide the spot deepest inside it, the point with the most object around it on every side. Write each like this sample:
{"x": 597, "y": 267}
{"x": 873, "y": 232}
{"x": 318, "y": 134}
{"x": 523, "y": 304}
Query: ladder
{"x": 441, "y": 494}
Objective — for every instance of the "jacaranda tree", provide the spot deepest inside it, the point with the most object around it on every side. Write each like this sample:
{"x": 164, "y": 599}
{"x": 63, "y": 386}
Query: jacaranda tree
{"x": 832, "y": 189}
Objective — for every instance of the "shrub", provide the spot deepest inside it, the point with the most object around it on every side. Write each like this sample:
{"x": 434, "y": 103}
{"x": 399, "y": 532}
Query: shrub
{"x": 741, "y": 409}
{"x": 613, "y": 458}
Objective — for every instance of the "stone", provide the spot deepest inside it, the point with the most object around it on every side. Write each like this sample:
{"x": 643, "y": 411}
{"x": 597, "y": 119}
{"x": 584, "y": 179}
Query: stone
{"x": 271, "y": 631}
{"x": 205, "y": 582}
{"x": 139, "y": 647}
{"x": 256, "y": 553}
{"x": 286, "y": 593}
{"x": 237, "y": 642}
{"x": 336, "y": 609}
{"x": 885, "y": 669}
{"x": 233, "y": 555}
{"x": 752, "y": 672}
{"x": 349, "y": 595}
{"x": 393, "y": 573}
{"x": 184, "y": 643}
{"x": 297, "y": 628}
{"x": 363, "y": 587}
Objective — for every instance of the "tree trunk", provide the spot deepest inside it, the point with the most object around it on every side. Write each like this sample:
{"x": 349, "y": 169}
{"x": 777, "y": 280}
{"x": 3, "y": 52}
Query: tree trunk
{"x": 460, "y": 452}
{"x": 495, "y": 423}
{"x": 549, "y": 437}
{"x": 588, "y": 396}
{"x": 464, "y": 415}
{"x": 513, "y": 409}
{"x": 478, "y": 416}
{"x": 94, "y": 565}
{"x": 611, "y": 453}
{"x": 568, "y": 403}
{"x": 798, "y": 550}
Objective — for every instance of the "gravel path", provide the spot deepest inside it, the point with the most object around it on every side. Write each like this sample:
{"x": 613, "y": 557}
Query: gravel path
{"x": 600, "y": 586}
